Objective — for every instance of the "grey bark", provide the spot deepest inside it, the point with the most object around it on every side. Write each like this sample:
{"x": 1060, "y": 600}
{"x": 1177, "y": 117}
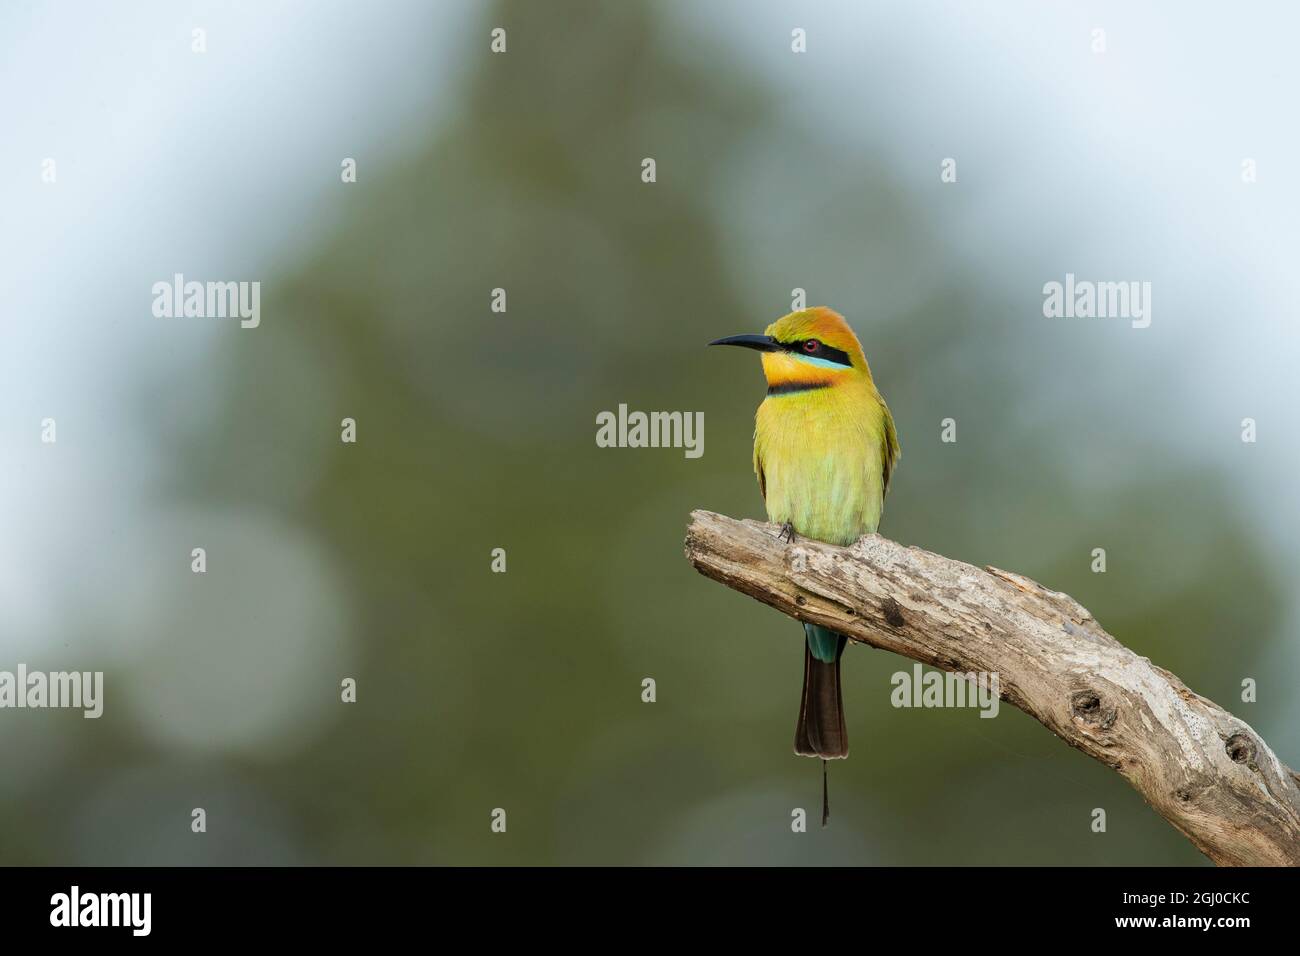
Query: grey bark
{"x": 1205, "y": 771}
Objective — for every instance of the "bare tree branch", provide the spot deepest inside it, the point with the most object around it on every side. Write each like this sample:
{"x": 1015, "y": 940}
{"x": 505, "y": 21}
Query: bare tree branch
{"x": 1202, "y": 769}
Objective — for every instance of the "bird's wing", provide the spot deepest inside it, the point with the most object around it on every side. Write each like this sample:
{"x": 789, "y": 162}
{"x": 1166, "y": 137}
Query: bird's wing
{"x": 758, "y": 470}
{"x": 889, "y": 450}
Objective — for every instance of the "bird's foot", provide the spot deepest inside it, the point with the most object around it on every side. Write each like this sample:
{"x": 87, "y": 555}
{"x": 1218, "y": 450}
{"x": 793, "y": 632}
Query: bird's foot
{"x": 787, "y": 533}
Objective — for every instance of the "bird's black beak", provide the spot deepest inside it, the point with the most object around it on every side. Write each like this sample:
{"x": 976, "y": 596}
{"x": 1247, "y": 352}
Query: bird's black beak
{"x": 764, "y": 343}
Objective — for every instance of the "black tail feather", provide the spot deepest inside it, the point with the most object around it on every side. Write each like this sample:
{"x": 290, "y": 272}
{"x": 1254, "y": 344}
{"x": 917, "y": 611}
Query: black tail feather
{"x": 821, "y": 731}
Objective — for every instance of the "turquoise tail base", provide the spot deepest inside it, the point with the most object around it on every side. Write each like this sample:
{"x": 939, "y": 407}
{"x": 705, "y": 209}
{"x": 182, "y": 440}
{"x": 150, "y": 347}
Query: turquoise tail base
{"x": 824, "y": 644}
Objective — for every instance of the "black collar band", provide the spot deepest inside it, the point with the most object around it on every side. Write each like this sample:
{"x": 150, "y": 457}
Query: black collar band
{"x": 789, "y": 388}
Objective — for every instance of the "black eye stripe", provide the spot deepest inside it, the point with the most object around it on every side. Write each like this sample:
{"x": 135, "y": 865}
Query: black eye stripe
{"x": 823, "y": 351}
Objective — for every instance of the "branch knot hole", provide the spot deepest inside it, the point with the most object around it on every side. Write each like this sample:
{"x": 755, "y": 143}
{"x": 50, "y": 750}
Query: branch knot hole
{"x": 1088, "y": 705}
{"x": 1241, "y": 749}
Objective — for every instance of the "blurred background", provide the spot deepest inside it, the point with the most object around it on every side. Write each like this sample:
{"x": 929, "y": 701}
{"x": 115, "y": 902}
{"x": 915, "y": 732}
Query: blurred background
{"x": 475, "y": 430}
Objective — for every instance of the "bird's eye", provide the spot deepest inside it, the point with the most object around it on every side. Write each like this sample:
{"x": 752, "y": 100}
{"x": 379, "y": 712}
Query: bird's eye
{"x": 812, "y": 345}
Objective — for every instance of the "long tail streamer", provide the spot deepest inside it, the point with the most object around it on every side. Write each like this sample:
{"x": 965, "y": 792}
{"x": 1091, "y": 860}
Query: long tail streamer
{"x": 826, "y": 798}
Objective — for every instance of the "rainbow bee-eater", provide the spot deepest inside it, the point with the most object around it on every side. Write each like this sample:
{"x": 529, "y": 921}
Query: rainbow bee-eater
{"x": 824, "y": 449}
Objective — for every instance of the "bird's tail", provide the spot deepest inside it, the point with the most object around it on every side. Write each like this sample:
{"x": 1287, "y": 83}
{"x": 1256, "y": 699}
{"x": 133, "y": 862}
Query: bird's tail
{"x": 821, "y": 731}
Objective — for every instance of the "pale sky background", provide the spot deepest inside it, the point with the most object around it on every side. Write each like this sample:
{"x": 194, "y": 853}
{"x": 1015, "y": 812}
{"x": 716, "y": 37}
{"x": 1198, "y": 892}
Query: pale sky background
{"x": 214, "y": 165}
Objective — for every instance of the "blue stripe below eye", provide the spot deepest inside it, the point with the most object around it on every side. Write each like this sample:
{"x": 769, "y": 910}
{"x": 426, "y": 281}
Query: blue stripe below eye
{"x": 819, "y": 362}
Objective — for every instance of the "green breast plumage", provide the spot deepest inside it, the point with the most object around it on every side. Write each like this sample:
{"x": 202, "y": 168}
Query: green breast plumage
{"x": 820, "y": 460}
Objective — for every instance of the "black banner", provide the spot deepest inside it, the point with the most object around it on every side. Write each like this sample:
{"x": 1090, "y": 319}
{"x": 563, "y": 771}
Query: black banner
{"x": 329, "y": 905}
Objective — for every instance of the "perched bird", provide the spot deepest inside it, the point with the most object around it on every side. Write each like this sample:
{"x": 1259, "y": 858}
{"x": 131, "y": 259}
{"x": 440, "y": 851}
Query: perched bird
{"x": 824, "y": 450}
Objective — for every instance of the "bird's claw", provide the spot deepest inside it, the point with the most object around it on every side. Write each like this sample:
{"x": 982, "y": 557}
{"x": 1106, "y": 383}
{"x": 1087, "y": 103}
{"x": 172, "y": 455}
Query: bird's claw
{"x": 787, "y": 533}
